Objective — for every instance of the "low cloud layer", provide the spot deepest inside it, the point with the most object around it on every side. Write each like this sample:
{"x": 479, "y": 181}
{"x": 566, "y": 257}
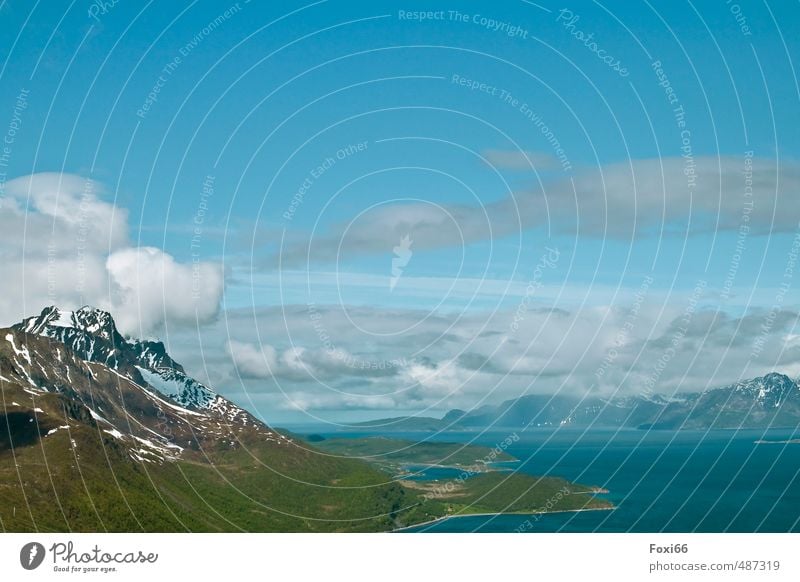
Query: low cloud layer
{"x": 467, "y": 361}
{"x": 300, "y": 364}
{"x": 63, "y": 244}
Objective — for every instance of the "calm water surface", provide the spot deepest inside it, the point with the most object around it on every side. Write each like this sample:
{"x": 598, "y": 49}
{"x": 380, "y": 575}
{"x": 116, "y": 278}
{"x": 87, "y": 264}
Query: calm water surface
{"x": 675, "y": 481}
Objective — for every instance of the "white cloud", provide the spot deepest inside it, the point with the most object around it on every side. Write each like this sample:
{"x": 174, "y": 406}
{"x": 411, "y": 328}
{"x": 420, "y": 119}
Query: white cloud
{"x": 466, "y": 360}
{"x": 315, "y": 401}
{"x": 300, "y": 364}
{"x": 61, "y": 213}
{"x": 152, "y": 287}
{"x": 652, "y": 197}
{"x": 62, "y": 244}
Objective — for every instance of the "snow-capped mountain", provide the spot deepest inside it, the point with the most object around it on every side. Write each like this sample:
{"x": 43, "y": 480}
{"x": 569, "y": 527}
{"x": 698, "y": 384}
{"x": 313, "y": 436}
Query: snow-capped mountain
{"x": 769, "y": 391}
{"x": 131, "y": 390}
{"x": 92, "y": 334}
{"x": 772, "y": 400}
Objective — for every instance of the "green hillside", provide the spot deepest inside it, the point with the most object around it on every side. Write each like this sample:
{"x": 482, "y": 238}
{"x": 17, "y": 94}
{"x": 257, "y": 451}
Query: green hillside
{"x": 47, "y": 484}
{"x": 394, "y": 454}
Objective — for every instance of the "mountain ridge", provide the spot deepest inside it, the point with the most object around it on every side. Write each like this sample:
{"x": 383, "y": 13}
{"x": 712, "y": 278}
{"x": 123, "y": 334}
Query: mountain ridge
{"x": 92, "y": 333}
{"x": 769, "y": 401}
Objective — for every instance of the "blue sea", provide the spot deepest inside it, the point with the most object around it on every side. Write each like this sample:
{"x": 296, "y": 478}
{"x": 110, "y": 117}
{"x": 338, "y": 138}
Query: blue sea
{"x": 659, "y": 481}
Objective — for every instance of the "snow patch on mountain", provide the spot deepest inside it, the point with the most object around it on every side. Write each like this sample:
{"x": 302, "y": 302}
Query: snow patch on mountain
{"x": 92, "y": 334}
{"x": 769, "y": 391}
{"x": 169, "y": 387}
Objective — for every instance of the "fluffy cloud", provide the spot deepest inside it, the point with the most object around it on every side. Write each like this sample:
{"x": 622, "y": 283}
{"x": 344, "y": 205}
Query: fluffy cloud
{"x": 467, "y": 360}
{"x": 653, "y": 197}
{"x": 314, "y": 401}
{"x": 152, "y": 287}
{"x": 59, "y": 214}
{"x": 301, "y": 364}
{"x": 63, "y": 244}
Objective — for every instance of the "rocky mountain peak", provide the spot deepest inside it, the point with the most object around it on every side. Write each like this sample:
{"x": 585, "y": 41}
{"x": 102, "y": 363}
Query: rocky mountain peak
{"x": 769, "y": 390}
{"x": 90, "y": 320}
{"x": 92, "y": 334}
{"x": 96, "y": 322}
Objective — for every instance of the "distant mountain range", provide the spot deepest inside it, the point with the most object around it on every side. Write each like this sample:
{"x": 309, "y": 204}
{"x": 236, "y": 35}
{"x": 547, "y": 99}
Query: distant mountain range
{"x": 100, "y": 433}
{"x": 769, "y": 401}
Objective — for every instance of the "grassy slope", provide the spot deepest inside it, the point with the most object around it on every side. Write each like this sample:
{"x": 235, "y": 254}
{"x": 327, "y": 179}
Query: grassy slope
{"x": 102, "y": 489}
{"x": 47, "y": 485}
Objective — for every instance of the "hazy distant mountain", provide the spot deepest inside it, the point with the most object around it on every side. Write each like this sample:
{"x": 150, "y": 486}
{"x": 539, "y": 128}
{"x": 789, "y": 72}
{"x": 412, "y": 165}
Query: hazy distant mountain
{"x": 769, "y": 401}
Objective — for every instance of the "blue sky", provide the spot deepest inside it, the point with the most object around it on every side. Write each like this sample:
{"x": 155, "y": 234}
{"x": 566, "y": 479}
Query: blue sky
{"x": 151, "y": 100}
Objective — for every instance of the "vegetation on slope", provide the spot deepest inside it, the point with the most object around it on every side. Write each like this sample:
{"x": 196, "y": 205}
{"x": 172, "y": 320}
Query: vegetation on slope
{"x": 393, "y": 454}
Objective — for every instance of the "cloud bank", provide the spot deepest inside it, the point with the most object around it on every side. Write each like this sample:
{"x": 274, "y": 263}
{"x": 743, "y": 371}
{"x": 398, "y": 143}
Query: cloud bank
{"x": 469, "y": 360}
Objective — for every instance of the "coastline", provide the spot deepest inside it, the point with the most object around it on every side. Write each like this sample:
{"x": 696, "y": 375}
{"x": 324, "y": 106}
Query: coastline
{"x": 475, "y": 469}
{"x": 495, "y": 513}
